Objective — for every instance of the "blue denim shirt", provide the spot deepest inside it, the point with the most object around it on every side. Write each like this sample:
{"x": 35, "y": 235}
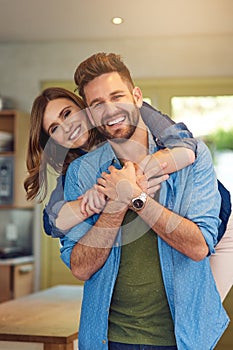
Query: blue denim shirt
{"x": 165, "y": 131}
{"x": 198, "y": 315}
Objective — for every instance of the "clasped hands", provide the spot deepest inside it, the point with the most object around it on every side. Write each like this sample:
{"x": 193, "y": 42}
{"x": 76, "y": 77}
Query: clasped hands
{"x": 121, "y": 185}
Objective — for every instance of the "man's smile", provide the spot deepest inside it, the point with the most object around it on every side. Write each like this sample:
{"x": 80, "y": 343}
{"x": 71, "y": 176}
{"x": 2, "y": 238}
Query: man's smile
{"x": 116, "y": 120}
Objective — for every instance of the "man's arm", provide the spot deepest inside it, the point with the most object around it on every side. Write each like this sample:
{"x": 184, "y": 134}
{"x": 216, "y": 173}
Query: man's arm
{"x": 188, "y": 237}
{"x": 179, "y": 232}
{"x": 93, "y": 249}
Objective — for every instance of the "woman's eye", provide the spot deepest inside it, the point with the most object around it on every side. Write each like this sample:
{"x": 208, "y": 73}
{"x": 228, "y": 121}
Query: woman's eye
{"x": 53, "y": 129}
{"x": 66, "y": 114}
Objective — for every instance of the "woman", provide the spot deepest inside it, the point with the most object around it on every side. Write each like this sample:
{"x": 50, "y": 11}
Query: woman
{"x": 60, "y": 132}
{"x": 46, "y": 147}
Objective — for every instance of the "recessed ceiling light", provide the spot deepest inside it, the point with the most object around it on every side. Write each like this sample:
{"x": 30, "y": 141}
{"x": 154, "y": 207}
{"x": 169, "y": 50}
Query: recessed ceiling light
{"x": 117, "y": 20}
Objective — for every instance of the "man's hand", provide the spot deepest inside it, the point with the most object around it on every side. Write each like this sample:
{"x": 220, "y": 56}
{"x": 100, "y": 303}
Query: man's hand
{"x": 152, "y": 185}
{"x": 120, "y": 185}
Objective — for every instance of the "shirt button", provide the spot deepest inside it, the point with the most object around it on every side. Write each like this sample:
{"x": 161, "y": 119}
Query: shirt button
{"x": 104, "y": 341}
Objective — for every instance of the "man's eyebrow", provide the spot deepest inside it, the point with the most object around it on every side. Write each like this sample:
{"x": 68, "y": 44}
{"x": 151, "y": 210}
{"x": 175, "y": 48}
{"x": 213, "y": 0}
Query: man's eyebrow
{"x": 98, "y": 99}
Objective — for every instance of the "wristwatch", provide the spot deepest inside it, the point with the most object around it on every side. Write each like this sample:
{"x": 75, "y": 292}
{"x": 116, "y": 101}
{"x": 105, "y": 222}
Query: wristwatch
{"x": 139, "y": 202}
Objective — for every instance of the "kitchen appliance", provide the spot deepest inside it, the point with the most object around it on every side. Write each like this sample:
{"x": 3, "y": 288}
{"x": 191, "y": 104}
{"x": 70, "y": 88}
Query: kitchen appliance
{"x": 6, "y": 103}
{"x": 6, "y": 180}
{"x": 12, "y": 252}
{"x": 6, "y": 141}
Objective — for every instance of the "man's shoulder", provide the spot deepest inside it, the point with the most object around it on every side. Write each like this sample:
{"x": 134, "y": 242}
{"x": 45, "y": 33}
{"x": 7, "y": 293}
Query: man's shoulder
{"x": 202, "y": 149}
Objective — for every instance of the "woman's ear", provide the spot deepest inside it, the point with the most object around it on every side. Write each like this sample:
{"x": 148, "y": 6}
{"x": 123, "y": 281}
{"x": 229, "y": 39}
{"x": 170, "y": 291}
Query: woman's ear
{"x": 137, "y": 94}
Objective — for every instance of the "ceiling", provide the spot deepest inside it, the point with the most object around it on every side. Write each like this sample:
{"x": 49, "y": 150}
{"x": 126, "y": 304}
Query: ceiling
{"x": 39, "y": 20}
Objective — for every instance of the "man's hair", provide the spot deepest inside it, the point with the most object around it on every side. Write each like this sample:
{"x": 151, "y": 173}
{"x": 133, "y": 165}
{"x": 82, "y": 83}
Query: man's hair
{"x": 99, "y": 64}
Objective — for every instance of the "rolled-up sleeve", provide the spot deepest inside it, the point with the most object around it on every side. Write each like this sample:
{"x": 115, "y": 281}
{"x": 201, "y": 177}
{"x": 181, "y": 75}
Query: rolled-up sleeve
{"x": 206, "y": 199}
{"x": 166, "y": 132}
{"x": 51, "y": 210}
{"x": 193, "y": 193}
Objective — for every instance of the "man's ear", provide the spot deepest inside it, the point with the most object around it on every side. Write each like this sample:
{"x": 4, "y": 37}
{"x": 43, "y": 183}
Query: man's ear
{"x": 137, "y": 94}
{"x": 89, "y": 115}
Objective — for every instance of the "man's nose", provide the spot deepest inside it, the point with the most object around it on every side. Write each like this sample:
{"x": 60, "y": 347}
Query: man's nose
{"x": 110, "y": 108}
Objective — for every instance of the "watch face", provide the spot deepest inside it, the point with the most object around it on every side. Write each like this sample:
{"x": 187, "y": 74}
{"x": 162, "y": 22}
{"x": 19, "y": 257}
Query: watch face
{"x": 138, "y": 203}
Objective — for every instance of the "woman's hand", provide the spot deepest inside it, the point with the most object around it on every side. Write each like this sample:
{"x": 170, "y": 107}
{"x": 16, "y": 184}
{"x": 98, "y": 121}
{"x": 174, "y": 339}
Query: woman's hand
{"x": 150, "y": 174}
{"x": 92, "y": 201}
{"x": 152, "y": 167}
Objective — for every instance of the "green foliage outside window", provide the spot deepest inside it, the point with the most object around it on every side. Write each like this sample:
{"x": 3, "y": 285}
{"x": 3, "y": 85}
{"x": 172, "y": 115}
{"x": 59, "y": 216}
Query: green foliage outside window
{"x": 220, "y": 140}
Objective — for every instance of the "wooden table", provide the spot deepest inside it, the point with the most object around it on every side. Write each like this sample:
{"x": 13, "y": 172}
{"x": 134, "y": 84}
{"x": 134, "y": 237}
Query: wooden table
{"x": 49, "y": 317}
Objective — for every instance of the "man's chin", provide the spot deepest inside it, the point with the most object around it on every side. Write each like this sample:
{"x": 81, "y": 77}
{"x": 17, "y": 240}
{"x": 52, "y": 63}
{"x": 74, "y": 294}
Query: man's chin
{"x": 119, "y": 136}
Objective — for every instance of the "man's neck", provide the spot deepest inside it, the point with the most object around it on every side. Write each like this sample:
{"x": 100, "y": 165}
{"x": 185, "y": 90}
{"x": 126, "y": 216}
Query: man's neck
{"x": 134, "y": 149}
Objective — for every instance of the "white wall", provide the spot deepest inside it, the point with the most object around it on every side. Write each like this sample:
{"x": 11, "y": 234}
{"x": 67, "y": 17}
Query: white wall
{"x": 23, "y": 66}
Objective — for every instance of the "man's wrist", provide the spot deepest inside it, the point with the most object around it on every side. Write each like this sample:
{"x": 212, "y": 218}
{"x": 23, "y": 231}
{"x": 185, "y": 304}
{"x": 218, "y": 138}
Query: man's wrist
{"x": 113, "y": 206}
{"x": 139, "y": 202}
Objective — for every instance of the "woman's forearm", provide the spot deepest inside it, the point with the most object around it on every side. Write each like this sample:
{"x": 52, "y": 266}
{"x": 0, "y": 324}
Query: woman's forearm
{"x": 176, "y": 158}
{"x": 70, "y": 215}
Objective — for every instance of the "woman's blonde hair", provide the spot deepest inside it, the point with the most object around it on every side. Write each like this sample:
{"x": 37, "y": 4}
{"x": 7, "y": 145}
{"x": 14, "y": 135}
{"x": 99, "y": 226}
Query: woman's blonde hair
{"x": 43, "y": 150}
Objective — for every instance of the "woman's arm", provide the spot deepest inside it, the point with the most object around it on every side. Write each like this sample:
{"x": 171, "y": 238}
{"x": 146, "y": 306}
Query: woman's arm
{"x": 166, "y": 132}
{"x": 74, "y": 212}
{"x": 59, "y": 216}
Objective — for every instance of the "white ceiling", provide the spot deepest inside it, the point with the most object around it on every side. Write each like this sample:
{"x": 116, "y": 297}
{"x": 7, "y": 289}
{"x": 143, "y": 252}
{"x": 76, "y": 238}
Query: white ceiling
{"x": 31, "y": 20}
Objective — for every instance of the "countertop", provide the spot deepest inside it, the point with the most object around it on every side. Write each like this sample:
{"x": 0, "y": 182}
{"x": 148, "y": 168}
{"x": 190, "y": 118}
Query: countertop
{"x": 17, "y": 261}
{"x": 50, "y": 316}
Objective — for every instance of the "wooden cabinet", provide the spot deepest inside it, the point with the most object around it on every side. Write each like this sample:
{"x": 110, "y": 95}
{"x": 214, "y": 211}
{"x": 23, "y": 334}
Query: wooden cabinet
{"x": 16, "y": 213}
{"x": 17, "y": 124}
{"x": 16, "y": 278}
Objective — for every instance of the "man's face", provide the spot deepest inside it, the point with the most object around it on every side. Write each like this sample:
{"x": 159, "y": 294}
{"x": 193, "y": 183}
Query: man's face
{"x": 114, "y": 108}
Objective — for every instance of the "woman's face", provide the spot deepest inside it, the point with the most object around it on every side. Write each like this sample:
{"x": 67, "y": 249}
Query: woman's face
{"x": 66, "y": 123}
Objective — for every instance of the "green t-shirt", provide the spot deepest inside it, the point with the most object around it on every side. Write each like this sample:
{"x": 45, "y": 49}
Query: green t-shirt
{"x": 139, "y": 312}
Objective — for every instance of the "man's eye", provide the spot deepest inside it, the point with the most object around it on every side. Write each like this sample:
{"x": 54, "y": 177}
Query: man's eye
{"x": 97, "y": 105}
{"x": 117, "y": 97}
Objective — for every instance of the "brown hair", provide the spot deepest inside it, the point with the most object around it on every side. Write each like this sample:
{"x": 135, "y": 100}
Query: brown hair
{"x": 43, "y": 150}
{"x": 97, "y": 65}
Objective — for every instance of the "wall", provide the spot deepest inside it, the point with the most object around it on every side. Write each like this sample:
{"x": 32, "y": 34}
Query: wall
{"x": 24, "y": 65}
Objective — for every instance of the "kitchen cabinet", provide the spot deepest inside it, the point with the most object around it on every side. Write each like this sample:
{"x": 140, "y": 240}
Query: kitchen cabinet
{"x": 16, "y": 213}
{"x": 16, "y": 277}
{"x": 15, "y": 123}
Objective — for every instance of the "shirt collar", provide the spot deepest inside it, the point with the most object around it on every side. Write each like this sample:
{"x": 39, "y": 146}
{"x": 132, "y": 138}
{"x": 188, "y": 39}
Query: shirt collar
{"x": 151, "y": 147}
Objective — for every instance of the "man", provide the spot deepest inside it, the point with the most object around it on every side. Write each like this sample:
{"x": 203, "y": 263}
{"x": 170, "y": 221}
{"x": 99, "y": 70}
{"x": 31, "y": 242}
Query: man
{"x": 144, "y": 260}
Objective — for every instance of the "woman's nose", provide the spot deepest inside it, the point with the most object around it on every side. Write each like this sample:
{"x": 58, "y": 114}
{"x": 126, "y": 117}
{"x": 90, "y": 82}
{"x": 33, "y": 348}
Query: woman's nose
{"x": 66, "y": 126}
